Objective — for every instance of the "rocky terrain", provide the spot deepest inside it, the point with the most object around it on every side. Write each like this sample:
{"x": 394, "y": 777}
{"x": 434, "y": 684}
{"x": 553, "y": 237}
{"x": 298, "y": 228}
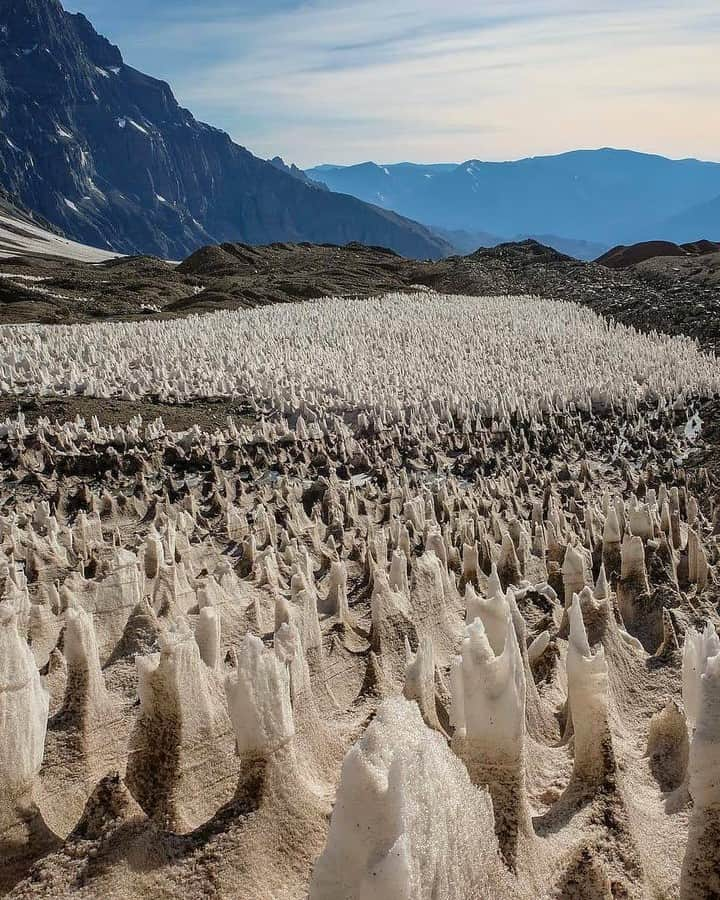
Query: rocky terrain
{"x": 677, "y": 295}
{"x": 106, "y": 154}
{"x": 656, "y": 294}
{"x": 701, "y": 270}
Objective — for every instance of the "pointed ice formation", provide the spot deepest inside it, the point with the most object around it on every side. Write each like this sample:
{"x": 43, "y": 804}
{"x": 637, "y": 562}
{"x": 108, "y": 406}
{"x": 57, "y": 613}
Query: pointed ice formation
{"x": 407, "y": 823}
{"x": 700, "y": 876}
{"x": 574, "y": 572}
{"x": 153, "y": 554}
{"x": 538, "y": 647}
{"x": 611, "y": 544}
{"x": 336, "y": 602}
{"x": 602, "y": 588}
{"x": 493, "y": 613}
{"x": 508, "y": 565}
{"x": 258, "y": 695}
{"x": 698, "y": 568}
{"x": 588, "y": 700}
{"x": 86, "y": 702}
{"x": 420, "y": 681}
{"x": 399, "y": 573}
{"x": 392, "y": 626}
{"x": 23, "y": 713}
{"x": 208, "y": 634}
{"x": 488, "y": 711}
{"x": 181, "y": 765}
{"x": 470, "y": 562}
{"x": 633, "y": 587}
{"x": 698, "y": 648}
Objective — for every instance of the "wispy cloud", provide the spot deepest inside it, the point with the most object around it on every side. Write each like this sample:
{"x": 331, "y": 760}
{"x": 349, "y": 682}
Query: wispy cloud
{"x": 344, "y": 80}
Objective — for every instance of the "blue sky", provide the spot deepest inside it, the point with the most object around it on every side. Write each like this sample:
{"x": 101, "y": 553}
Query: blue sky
{"x": 433, "y": 80}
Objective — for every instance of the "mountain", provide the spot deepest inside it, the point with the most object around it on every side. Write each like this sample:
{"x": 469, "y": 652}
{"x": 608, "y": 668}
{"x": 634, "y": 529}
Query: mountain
{"x": 24, "y": 233}
{"x": 469, "y": 241}
{"x": 107, "y": 154}
{"x": 622, "y": 257}
{"x": 293, "y": 170}
{"x": 602, "y": 196}
{"x": 702, "y": 220}
{"x": 574, "y": 247}
{"x": 391, "y": 187}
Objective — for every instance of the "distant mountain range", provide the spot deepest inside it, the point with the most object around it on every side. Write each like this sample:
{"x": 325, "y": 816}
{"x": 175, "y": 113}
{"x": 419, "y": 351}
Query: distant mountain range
{"x": 105, "y": 153}
{"x": 581, "y": 202}
{"x": 469, "y": 241}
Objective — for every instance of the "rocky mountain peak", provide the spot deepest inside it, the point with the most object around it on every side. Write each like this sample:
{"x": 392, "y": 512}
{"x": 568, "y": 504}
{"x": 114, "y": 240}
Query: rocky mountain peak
{"x": 106, "y": 153}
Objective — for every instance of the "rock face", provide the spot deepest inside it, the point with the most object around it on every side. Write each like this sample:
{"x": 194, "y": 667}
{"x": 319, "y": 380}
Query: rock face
{"x": 107, "y": 154}
{"x": 293, "y": 170}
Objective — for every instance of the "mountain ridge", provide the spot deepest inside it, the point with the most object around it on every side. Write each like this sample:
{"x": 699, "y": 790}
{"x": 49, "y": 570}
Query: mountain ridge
{"x": 605, "y": 196}
{"x": 106, "y": 153}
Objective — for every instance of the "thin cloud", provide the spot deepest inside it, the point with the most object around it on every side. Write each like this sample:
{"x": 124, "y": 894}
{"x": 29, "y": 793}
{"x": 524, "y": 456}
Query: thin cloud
{"x": 353, "y": 80}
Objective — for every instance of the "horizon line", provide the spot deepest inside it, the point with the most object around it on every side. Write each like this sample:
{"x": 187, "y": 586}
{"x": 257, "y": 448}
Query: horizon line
{"x": 410, "y": 162}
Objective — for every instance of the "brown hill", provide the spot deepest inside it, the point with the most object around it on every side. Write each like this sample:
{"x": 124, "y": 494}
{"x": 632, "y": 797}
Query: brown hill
{"x": 622, "y": 256}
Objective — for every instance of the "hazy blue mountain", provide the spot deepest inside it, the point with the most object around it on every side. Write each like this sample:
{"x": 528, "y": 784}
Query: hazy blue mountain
{"x": 575, "y": 247}
{"x": 387, "y": 186}
{"x": 600, "y": 196}
{"x": 466, "y": 242}
{"x": 107, "y": 154}
{"x": 700, "y": 221}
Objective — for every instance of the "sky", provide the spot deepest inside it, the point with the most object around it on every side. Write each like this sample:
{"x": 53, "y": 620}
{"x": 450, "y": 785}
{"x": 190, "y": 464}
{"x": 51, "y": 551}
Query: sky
{"x": 336, "y": 81}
